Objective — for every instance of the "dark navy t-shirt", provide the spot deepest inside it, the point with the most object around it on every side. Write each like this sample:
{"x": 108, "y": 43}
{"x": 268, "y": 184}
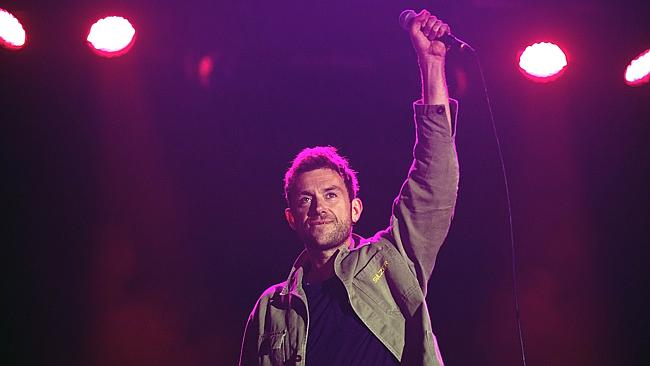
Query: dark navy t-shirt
{"x": 337, "y": 337}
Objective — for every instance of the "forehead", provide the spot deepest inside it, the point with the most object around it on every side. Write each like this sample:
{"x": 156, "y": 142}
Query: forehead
{"x": 318, "y": 179}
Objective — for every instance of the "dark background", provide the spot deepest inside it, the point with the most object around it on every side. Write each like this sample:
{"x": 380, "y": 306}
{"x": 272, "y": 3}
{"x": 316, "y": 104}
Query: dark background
{"x": 143, "y": 203}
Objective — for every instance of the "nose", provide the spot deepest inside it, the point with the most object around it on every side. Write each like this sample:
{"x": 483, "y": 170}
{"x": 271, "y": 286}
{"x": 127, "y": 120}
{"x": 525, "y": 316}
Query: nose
{"x": 316, "y": 208}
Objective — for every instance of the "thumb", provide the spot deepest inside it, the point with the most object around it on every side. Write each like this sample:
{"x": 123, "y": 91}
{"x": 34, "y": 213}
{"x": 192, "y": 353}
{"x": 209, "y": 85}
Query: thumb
{"x": 419, "y": 20}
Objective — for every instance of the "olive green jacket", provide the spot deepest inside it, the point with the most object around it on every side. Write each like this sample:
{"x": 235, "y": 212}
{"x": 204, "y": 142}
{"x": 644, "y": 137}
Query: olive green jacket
{"x": 385, "y": 276}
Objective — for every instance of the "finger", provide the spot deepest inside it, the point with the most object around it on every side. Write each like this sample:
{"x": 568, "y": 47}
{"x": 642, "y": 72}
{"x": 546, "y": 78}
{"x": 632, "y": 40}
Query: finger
{"x": 442, "y": 30}
{"x": 427, "y": 27}
{"x": 420, "y": 20}
{"x": 425, "y": 30}
{"x": 438, "y": 30}
{"x": 435, "y": 29}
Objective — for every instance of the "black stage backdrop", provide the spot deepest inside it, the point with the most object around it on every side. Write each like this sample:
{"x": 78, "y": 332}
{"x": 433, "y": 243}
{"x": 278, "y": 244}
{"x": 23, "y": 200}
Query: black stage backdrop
{"x": 143, "y": 202}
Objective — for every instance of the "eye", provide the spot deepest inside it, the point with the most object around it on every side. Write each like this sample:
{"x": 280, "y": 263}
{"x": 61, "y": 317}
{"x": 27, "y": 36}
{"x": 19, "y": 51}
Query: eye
{"x": 330, "y": 195}
{"x": 304, "y": 200}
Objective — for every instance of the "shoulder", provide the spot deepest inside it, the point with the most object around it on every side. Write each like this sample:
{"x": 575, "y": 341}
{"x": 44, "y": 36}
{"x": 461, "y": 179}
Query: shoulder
{"x": 271, "y": 293}
{"x": 270, "y": 306}
{"x": 373, "y": 243}
{"x": 365, "y": 249}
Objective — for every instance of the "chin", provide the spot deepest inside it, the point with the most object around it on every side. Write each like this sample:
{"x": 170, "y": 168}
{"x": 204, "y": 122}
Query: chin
{"x": 325, "y": 240}
{"x": 329, "y": 244}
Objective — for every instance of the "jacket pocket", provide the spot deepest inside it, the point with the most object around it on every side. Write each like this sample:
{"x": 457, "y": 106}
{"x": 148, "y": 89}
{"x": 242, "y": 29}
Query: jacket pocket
{"x": 272, "y": 347}
{"x": 371, "y": 283}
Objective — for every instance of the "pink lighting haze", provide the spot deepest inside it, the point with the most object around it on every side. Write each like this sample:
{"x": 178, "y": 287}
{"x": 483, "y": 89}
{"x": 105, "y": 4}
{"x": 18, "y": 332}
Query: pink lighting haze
{"x": 206, "y": 67}
{"x": 542, "y": 61}
{"x": 638, "y": 71}
{"x": 111, "y": 36}
{"x": 12, "y": 34}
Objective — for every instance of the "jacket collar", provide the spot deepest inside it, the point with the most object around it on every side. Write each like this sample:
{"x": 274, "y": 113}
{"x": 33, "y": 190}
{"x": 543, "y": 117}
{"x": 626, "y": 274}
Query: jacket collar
{"x": 296, "y": 273}
{"x": 294, "y": 281}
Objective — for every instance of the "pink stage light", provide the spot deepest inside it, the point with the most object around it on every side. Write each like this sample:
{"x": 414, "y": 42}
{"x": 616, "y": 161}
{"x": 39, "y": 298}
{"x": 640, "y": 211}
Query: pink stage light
{"x": 638, "y": 71}
{"x": 542, "y": 62}
{"x": 12, "y": 33}
{"x": 111, "y": 36}
{"x": 205, "y": 70}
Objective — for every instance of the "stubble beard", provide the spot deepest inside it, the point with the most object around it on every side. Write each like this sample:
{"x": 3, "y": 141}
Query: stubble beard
{"x": 333, "y": 238}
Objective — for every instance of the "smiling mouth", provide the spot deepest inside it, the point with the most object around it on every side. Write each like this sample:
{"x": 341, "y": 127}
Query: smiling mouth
{"x": 320, "y": 222}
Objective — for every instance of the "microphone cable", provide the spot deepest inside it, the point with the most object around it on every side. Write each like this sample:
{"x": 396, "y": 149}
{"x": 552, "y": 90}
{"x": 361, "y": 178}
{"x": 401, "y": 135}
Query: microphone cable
{"x": 520, "y": 332}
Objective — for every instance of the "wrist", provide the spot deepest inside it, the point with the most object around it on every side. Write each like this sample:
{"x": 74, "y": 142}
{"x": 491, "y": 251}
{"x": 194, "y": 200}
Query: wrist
{"x": 434, "y": 84}
{"x": 429, "y": 63}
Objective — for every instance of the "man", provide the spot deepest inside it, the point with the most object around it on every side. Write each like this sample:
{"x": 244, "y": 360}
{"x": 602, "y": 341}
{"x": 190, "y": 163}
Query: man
{"x": 355, "y": 301}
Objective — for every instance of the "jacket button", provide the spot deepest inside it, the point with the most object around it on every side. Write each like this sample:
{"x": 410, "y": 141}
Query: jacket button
{"x": 440, "y": 110}
{"x": 296, "y": 358}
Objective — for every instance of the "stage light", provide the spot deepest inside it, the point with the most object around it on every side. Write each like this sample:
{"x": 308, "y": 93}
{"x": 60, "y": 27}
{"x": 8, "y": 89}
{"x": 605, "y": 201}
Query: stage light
{"x": 542, "y": 62}
{"x": 12, "y": 34}
{"x": 205, "y": 70}
{"x": 111, "y": 36}
{"x": 638, "y": 71}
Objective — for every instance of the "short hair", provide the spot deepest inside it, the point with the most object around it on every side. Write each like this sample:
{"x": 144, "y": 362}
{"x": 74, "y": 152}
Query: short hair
{"x": 319, "y": 157}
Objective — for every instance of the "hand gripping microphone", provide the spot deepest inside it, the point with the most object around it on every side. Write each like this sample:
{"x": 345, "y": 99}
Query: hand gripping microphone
{"x": 448, "y": 39}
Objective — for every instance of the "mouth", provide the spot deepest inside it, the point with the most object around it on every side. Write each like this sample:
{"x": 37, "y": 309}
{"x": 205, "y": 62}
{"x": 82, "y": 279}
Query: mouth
{"x": 320, "y": 222}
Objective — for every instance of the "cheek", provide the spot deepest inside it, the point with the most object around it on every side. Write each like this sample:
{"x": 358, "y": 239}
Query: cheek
{"x": 346, "y": 210}
{"x": 301, "y": 218}
{"x": 297, "y": 218}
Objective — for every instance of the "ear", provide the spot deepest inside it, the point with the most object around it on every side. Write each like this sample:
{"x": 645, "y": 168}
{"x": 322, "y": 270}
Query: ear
{"x": 356, "y": 207}
{"x": 290, "y": 219}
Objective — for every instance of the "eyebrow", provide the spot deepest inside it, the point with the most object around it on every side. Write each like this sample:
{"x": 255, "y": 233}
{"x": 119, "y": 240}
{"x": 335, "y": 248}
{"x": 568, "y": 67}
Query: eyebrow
{"x": 327, "y": 189}
{"x": 332, "y": 188}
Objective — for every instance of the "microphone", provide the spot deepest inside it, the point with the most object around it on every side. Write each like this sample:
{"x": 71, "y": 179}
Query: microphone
{"x": 447, "y": 39}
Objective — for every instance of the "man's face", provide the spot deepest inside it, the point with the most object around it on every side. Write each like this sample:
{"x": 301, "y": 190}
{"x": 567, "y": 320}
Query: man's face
{"x": 321, "y": 212}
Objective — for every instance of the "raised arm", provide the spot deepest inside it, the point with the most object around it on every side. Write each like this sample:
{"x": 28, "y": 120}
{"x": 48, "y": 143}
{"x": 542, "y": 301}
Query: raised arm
{"x": 423, "y": 210}
{"x": 424, "y": 30}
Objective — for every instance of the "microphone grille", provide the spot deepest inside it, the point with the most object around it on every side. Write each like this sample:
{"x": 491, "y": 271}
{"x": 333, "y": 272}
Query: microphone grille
{"x": 405, "y": 18}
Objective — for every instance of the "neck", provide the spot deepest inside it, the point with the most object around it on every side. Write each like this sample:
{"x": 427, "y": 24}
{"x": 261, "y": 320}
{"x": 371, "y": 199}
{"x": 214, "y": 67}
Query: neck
{"x": 322, "y": 263}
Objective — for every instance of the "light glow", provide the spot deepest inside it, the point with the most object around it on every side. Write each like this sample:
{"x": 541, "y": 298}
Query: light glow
{"x": 12, "y": 33}
{"x": 638, "y": 71}
{"x": 111, "y": 36}
{"x": 542, "y": 61}
{"x": 205, "y": 69}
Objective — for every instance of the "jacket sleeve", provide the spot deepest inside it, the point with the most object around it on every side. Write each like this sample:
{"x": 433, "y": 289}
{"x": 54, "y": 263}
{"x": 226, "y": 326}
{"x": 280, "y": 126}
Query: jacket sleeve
{"x": 249, "y": 353}
{"x": 423, "y": 210}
